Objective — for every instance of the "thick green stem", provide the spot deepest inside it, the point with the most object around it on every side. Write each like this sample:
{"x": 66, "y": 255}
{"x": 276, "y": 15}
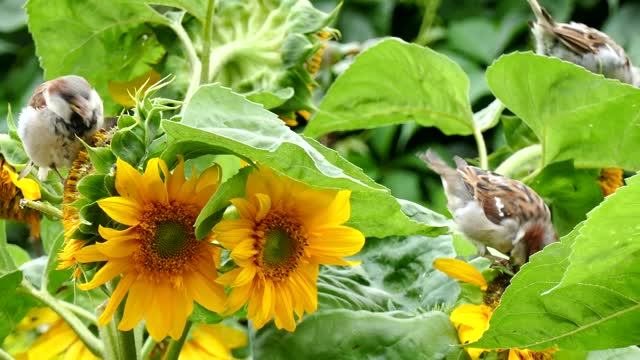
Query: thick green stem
{"x": 430, "y": 10}
{"x": 176, "y": 345}
{"x": 206, "y": 47}
{"x": 482, "y": 148}
{"x": 92, "y": 343}
{"x": 43, "y": 207}
{"x": 196, "y": 65}
{"x": 519, "y": 159}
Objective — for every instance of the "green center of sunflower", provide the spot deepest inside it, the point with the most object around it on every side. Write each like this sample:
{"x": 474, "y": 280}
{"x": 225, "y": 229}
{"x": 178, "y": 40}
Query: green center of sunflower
{"x": 282, "y": 246}
{"x": 170, "y": 238}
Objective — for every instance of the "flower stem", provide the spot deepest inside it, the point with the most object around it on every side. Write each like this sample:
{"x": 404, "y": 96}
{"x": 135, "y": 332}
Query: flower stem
{"x": 121, "y": 344}
{"x": 93, "y": 343}
{"x": 206, "y": 47}
{"x": 5, "y": 355}
{"x": 87, "y": 315}
{"x": 43, "y": 207}
{"x": 149, "y": 344}
{"x": 176, "y": 345}
{"x": 482, "y": 147}
{"x": 519, "y": 159}
{"x": 196, "y": 65}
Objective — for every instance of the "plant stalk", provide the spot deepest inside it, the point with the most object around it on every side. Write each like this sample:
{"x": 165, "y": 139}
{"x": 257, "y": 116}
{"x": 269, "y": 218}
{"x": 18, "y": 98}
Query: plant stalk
{"x": 176, "y": 345}
{"x": 43, "y": 207}
{"x": 196, "y": 65}
{"x": 91, "y": 342}
{"x": 206, "y": 48}
{"x": 482, "y": 148}
{"x": 520, "y": 158}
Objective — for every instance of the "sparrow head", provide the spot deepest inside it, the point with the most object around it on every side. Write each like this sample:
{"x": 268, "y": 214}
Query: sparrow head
{"x": 74, "y": 101}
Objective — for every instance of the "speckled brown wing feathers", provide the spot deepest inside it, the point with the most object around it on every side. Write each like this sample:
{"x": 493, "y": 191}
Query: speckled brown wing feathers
{"x": 502, "y": 198}
{"x": 37, "y": 100}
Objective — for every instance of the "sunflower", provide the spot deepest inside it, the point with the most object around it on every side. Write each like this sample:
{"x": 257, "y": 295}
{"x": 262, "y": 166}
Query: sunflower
{"x": 284, "y": 232}
{"x": 164, "y": 267}
{"x": 57, "y": 339}
{"x": 70, "y": 214}
{"x": 12, "y": 190}
{"x": 610, "y": 179}
{"x": 471, "y": 320}
{"x": 213, "y": 342}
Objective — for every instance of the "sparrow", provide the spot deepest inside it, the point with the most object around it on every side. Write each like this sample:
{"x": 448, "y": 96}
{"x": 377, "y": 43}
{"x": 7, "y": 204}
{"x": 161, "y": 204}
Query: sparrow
{"x": 581, "y": 45}
{"x": 493, "y": 210}
{"x": 60, "y": 112}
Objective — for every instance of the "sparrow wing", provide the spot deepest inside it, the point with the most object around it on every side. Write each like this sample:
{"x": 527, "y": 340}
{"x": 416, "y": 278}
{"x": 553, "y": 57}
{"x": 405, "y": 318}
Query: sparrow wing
{"x": 37, "y": 100}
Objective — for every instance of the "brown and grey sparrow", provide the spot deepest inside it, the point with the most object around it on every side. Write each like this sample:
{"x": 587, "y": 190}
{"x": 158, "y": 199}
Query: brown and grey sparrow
{"x": 493, "y": 210}
{"x": 581, "y": 45}
{"x": 59, "y": 112}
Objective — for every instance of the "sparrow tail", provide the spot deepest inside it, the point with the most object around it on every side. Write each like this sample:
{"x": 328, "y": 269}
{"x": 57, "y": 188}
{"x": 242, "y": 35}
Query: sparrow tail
{"x": 435, "y": 163}
{"x": 541, "y": 14}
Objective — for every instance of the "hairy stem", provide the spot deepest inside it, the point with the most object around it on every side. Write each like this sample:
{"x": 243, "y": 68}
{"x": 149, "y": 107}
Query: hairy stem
{"x": 196, "y": 65}
{"x": 43, "y": 207}
{"x": 482, "y": 148}
{"x": 91, "y": 342}
{"x": 519, "y": 159}
{"x": 206, "y": 48}
{"x": 148, "y": 345}
{"x": 5, "y": 355}
{"x": 87, "y": 315}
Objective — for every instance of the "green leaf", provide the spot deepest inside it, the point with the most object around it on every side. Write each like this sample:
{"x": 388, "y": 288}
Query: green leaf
{"x": 6, "y": 260}
{"x": 576, "y": 114}
{"x": 402, "y": 266}
{"x": 354, "y": 335}
{"x": 51, "y": 231}
{"x": 489, "y": 117}
{"x": 93, "y": 187}
{"x": 569, "y": 192}
{"x": 12, "y": 150}
{"x": 580, "y": 294}
{"x": 102, "y": 158}
{"x": 217, "y": 120}
{"x": 13, "y": 304}
{"x": 351, "y": 288}
{"x": 102, "y": 40}
{"x": 394, "y": 82}
{"x": 214, "y": 209}
{"x": 517, "y": 134}
{"x": 271, "y": 99}
{"x": 18, "y": 254}
{"x": 128, "y": 146}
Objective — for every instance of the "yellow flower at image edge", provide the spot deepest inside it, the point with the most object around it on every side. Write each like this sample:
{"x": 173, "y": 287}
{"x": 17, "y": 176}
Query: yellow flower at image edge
{"x": 212, "y": 342}
{"x": 164, "y": 267}
{"x": 284, "y": 232}
{"x": 59, "y": 338}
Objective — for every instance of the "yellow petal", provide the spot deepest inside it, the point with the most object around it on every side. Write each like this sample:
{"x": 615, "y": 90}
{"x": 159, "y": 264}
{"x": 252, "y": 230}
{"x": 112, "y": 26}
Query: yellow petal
{"x": 461, "y": 270}
{"x": 246, "y": 209}
{"x": 336, "y": 241}
{"x": 116, "y": 298}
{"x": 284, "y": 309}
{"x": 158, "y": 318}
{"x": 237, "y": 298}
{"x": 340, "y": 208}
{"x": 29, "y": 188}
{"x": 264, "y": 205}
{"x": 176, "y": 180}
{"x": 89, "y": 254}
{"x": 207, "y": 292}
{"x": 154, "y": 189}
{"x": 135, "y": 308}
{"x": 129, "y": 181}
{"x": 109, "y": 271}
{"x": 122, "y": 210}
{"x": 471, "y": 320}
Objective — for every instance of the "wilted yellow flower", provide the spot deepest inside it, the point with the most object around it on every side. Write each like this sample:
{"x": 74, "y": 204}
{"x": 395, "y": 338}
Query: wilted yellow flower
{"x": 285, "y": 231}
{"x": 59, "y": 341}
{"x": 610, "y": 180}
{"x": 12, "y": 191}
{"x": 213, "y": 342}
{"x": 164, "y": 267}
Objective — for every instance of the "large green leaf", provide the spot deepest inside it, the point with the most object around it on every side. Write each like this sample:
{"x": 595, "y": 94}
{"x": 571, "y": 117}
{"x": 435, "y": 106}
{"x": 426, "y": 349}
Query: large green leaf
{"x": 13, "y": 304}
{"x": 395, "y": 82}
{"x": 346, "y": 334}
{"x": 102, "y": 41}
{"x": 583, "y": 293}
{"x": 576, "y": 114}
{"x": 217, "y": 120}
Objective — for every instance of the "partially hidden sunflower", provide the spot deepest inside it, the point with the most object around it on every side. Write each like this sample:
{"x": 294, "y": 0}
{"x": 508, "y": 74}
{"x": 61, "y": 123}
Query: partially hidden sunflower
{"x": 71, "y": 221}
{"x": 285, "y": 230}
{"x": 213, "y": 342}
{"x": 472, "y": 320}
{"x": 12, "y": 190}
{"x": 58, "y": 341}
{"x": 164, "y": 267}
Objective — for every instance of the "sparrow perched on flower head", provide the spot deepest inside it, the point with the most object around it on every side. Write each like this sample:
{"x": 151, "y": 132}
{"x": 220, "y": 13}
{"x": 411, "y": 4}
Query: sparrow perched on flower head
{"x": 493, "y": 210}
{"x": 581, "y": 45}
{"x": 59, "y": 112}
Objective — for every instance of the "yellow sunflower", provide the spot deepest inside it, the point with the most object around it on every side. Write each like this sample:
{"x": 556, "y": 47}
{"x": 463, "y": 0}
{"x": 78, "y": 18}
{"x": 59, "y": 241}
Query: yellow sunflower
{"x": 471, "y": 321}
{"x": 213, "y": 342}
{"x": 610, "y": 179}
{"x": 284, "y": 232}
{"x": 12, "y": 190}
{"x": 164, "y": 267}
{"x": 58, "y": 339}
